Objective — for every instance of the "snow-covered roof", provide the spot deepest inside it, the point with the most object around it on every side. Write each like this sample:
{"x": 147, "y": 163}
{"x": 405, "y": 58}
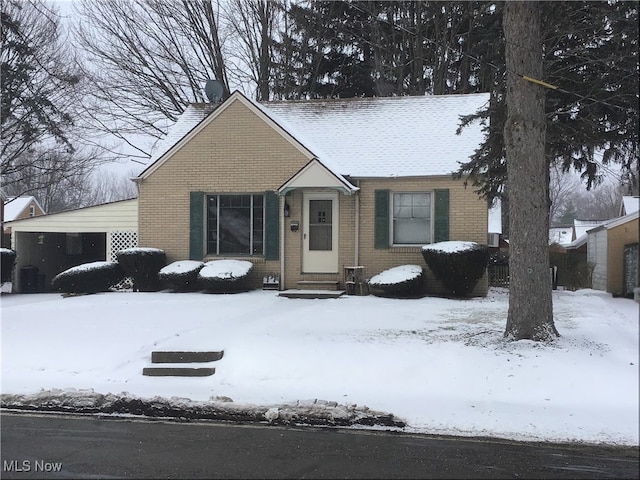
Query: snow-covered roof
{"x": 560, "y": 235}
{"x": 615, "y": 222}
{"x": 581, "y": 227}
{"x": 14, "y": 206}
{"x": 385, "y": 136}
{"x": 629, "y": 204}
{"x": 363, "y": 137}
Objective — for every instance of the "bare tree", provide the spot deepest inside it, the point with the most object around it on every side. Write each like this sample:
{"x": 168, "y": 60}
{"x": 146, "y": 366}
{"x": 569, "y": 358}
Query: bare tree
{"x": 149, "y": 59}
{"x": 563, "y": 188}
{"x": 40, "y": 97}
{"x": 530, "y": 313}
{"x": 255, "y": 25}
{"x": 108, "y": 186}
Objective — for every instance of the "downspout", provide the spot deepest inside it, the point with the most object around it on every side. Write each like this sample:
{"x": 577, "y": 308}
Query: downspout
{"x": 282, "y": 232}
{"x": 357, "y": 226}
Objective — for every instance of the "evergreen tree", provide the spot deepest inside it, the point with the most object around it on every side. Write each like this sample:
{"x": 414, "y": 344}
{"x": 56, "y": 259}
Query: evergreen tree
{"x": 591, "y": 64}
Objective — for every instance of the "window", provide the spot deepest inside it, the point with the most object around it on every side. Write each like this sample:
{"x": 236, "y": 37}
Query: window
{"x": 411, "y": 218}
{"x": 32, "y": 211}
{"x": 235, "y": 224}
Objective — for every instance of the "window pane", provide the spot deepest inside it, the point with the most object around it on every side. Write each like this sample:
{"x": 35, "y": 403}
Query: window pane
{"x": 212, "y": 227}
{"x": 235, "y": 224}
{"x": 411, "y": 218}
{"x": 320, "y": 229}
{"x": 258, "y": 225}
{"x": 411, "y": 230}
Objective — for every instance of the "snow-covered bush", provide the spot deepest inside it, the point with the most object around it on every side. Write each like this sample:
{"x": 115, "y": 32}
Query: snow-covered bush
{"x": 7, "y": 262}
{"x": 401, "y": 281}
{"x": 143, "y": 265}
{"x": 458, "y": 265}
{"x": 181, "y": 276}
{"x": 225, "y": 276}
{"x": 89, "y": 278}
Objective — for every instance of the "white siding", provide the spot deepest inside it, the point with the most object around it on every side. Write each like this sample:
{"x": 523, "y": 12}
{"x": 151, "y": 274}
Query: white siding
{"x": 597, "y": 255}
{"x": 121, "y": 215}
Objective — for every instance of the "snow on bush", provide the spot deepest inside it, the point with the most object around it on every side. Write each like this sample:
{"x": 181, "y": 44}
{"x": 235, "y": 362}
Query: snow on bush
{"x": 7, "y": 262}
{"x": 225, "y": 276}
{"x": 458, "y": 265}
{"x": 89, "y": 278}
{"x": 143, "y": 265}
{"x": 181, "y": 276}
{"x": 401, "y": 281}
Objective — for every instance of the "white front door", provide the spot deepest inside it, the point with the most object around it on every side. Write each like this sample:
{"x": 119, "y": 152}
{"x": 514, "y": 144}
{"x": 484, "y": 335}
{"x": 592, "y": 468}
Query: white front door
{"x": 320, "y": 233}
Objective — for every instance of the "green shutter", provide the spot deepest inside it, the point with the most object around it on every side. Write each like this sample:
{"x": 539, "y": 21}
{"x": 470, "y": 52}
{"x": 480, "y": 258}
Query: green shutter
{"x": 272, "y": 226}
{"x": 196, "y": 225}
{"x": 441, "y": 213}
{"x": 381, "y": 226}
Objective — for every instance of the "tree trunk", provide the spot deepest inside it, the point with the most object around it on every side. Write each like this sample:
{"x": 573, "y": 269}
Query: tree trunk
{"x": 530, "y": 305}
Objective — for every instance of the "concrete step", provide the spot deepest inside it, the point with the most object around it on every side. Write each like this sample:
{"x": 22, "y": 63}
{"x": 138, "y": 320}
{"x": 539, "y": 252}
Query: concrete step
{"x": 318, "y": 284}
{"x": 185, "y": 357}
{"x": 177, "y": 372}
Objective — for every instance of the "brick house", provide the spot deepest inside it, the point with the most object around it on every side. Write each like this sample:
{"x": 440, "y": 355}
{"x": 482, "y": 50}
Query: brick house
{"x": 305, "y": 189}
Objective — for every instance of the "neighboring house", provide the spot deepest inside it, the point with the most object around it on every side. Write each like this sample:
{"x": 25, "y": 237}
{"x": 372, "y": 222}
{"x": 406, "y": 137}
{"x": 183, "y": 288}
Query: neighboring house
{"x": 49, "y": 244}
{"x": 613, "y": 250}
{"x": 305, "y": 189}
{"x": 573, "y": 237}
{"x": 16, "y": 208}
{"x": 629, "y": 204}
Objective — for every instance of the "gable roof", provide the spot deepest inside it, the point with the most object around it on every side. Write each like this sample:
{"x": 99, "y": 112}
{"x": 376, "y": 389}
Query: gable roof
{"x": 14, "y": 206}
{"x": 360, "y": 137}
{"x": 629, "y": 204}
{"x": 386, "y": 136}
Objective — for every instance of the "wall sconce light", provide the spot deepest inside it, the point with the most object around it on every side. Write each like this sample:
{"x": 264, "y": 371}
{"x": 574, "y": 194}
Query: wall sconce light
{"x": 286, "y": 209}
{"x": 41, "y": 239}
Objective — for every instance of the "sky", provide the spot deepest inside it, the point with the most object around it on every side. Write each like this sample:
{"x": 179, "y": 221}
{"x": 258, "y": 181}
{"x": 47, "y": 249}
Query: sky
{"x": 441, "y": 366}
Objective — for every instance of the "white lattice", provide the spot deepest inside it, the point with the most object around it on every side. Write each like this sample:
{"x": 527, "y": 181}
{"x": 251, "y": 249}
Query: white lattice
{"x": 121, "y": 240}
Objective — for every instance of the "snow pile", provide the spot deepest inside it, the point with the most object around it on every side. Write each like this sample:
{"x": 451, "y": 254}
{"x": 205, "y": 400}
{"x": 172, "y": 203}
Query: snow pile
{"x": 87, "y": 267}
{"x": 226, "y": 269}
{"x": 309, "y": 412}
{"x": 451, "y": 246}
{"x": 400, "y": 274}
{"x": 181, "y": 267}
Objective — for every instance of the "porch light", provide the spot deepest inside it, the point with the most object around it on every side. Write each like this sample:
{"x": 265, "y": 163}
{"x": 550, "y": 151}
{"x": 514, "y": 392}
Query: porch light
{"x": 286, "y": 209}
{"x": 41, "y": 239}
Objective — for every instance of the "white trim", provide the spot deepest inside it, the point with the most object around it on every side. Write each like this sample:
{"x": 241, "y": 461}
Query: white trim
{"x": 328, "y": 259}
{"x": 316, "y": 174}
{"x": 392, "y": 217}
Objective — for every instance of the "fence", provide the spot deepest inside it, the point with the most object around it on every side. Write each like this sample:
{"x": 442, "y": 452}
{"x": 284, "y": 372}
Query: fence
{"x": 573, "y": 272}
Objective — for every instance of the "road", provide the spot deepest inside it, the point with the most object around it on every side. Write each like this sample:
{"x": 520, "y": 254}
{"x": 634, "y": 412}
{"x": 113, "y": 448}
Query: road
{"x": 68, "y": 446}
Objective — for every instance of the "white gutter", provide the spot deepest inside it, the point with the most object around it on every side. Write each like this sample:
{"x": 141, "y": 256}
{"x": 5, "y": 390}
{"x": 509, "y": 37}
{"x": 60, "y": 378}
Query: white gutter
{"x": 281, "y": 201}
{"x": 357, "y": 226}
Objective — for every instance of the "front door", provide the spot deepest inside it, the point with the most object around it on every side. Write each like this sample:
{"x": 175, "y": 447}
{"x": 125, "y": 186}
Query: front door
{"x": 320, "y": 233}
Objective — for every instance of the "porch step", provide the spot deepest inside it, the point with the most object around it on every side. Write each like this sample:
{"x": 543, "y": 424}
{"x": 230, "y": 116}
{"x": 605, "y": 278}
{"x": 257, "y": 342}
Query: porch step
{"x": 177, "y": 372}
{"x": 185, "y": 357}
{"x": 311, "y": 293}
{"x": 318, "y": 284}
{"x": 177, "y": 357}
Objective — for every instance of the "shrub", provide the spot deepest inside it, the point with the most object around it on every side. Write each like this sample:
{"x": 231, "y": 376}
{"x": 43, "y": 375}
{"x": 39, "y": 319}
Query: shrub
{"x": 225, "y": 276}
{"x": 7, "y": 262}
{"x": 458, "y": 265}
{"x": 143, "y": 265}
{"x": 402, "y": 281}
{"x": 89, "y": 278}
{"x": 181, "y": 276}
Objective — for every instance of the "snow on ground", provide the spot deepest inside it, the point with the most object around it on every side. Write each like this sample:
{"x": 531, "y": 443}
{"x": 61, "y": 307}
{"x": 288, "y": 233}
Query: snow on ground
{"x": 440, "y": 365}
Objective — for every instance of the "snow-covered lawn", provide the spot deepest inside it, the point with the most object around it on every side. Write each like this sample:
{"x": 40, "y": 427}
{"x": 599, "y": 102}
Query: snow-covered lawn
{"x": 440, "y": 365}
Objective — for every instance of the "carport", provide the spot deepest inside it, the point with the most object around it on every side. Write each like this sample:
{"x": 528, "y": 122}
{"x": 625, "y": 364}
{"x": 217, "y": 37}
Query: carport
{"x": 50, "y": 244}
